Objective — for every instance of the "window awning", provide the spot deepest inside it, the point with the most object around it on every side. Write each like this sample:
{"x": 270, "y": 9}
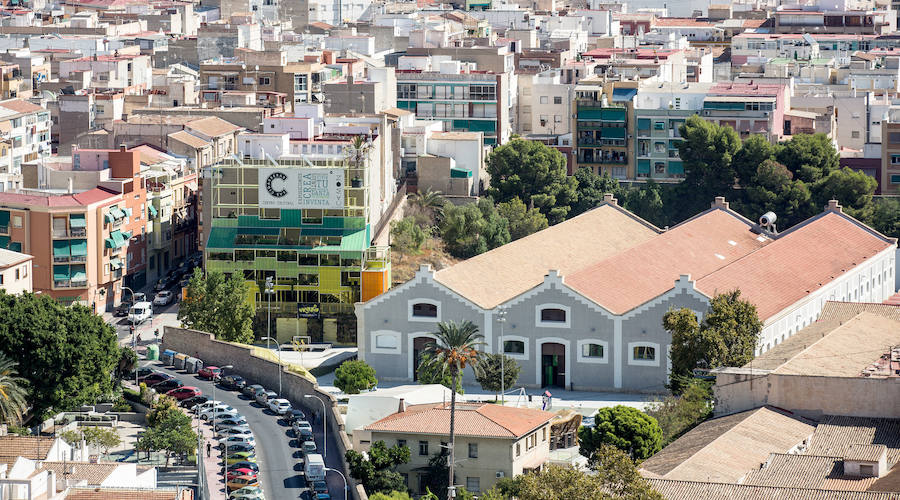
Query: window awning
{"x": 60, "y": 273}
{"x": 109, "y": 217}
{"x": 77, "y": 220}
{"x": 127, "y": 212}
{"x": 78, "y": 248}
{"x": 116, "y": 213}
{"x": 61, "y": 248}
{"x": 116, "y": 239}
{"x": 78, "y": 274}
{"x": 152, "y": 210}
{"x": 126, "y": 235}
{"x": 115, "y": 263}
{"x": 4, "y": 218}
{"x": 4, "y": 241}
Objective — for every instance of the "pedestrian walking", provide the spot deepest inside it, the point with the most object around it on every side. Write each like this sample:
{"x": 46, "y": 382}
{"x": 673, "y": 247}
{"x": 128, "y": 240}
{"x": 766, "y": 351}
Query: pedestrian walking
{"x": 208, "y": 449}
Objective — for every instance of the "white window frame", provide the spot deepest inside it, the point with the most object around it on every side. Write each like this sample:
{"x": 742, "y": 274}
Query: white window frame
{"x": 423, "y": 319}
{"x": 643, "y": 362}
{"x": 552, "y": 324}
{"x": 524, "y": 340}
{"x": 386, "y": 350}
{"x": 587, "y": 359}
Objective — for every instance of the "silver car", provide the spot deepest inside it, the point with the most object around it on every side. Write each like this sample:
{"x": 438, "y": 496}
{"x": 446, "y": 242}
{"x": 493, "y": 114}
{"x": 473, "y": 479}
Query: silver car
{"x": 263, "y": 396}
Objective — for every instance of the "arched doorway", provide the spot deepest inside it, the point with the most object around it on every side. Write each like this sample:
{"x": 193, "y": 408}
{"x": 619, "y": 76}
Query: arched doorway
{"x": 419, "y": 344}
{"x": 553, "y": 365}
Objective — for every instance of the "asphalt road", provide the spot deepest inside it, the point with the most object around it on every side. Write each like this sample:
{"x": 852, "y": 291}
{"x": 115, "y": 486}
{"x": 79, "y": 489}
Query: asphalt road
{"x": 277, "y": 451}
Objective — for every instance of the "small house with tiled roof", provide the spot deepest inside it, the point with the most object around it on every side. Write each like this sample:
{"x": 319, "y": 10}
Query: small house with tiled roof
{"x": 579, "y": 305}
{"x": 492, "y": 441}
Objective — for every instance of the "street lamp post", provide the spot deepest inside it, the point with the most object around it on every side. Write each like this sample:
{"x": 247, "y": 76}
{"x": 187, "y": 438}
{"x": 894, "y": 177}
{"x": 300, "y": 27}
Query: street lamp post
{"x": 214, "y": 417}
{"x": 324, "y": 425}
{"x": 269, "y": 291}
{"x": 342, "y": 477}
{"x": 280, "y": 369}
{"x": 501, "y": 318}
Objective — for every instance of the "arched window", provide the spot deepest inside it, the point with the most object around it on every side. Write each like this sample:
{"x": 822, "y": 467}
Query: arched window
{"x": 513, "y": 347}
{"x": 592, "y": 351}
{"x": 554, "y": 315}
{"x": 645, "y": 353}
{"x": 424, "y": 310}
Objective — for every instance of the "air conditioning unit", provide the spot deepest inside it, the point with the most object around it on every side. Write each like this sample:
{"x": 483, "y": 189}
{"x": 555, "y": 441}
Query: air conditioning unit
{"x": 500, "y": 474}
{"x": 706, "y": 113}
{"x": 765, "y": 113}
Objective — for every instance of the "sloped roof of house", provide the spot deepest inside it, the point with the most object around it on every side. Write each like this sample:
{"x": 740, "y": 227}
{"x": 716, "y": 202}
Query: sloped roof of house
{"x": 842, "y": 311}
{"x": 474, "y": 420}
{"x": 189, "y": 139}
{"x": 33, "y": 447}
{"x": 698, "y": 490}
{"x": 93, "y": 473}
{"x": 724, "y": 449}
{"x": 212, "y": 126}
{"x": 791, "y": 470}
{"x": 496, "y": 276}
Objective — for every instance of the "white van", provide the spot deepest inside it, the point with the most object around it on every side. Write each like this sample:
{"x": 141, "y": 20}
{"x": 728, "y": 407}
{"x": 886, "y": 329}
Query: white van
{"x": 314, "y": 468}
{"x": 140, "y": 312}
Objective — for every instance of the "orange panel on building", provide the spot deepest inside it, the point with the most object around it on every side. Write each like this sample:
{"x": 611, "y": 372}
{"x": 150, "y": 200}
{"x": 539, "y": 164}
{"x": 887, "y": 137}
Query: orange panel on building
{"x": 374, "y": 283}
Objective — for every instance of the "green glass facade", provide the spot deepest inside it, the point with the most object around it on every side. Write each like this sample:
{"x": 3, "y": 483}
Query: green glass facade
{"x": 467, "y": 106}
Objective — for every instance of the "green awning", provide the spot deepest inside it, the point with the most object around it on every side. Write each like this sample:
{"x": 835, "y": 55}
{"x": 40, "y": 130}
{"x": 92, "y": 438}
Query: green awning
{"x": 127, "y": 212}
{"x": 115, "y": 263}
{"x": 126, "y": 235}
{"x": 676, "y": 167}
{"x": 60, "y": 273}
{"x": 116, "y": 239}
{"x": 116, "y": 213}
{"x": 61, "y": 248}
{"x": 4, "y": 218}
{"x": 78, "y": 274}
{"x": 613, "y": 132}
{"x": 15, "y": 246}
{"x": 459, "y": 173}
{"x": 4, "y": 241}
{"x": 152, "y": 210}
{"x": 643, "y": 166}
{"x": 77, "y": 220}
{"x": 79, "y": 248}
{"x": 109, "y": 218}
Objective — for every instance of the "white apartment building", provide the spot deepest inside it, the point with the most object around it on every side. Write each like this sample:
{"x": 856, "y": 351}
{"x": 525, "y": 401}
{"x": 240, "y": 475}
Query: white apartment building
{"x": 24, "y": 136}
{"x": 545, "y": 104}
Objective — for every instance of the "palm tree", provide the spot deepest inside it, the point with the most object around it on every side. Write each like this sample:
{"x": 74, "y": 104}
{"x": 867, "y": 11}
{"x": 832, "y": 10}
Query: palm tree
{"x": 12, "y": 392}
{"x": 430, "y": 203}
{"x": 455, "y": 347}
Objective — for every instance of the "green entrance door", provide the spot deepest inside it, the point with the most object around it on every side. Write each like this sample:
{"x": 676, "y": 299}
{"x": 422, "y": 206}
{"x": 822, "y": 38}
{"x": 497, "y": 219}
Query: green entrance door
{"x": 553, "y": 365}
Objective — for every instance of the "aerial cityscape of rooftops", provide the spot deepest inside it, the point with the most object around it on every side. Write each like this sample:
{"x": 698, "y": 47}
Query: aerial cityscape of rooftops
{"x": 449, "y": 249}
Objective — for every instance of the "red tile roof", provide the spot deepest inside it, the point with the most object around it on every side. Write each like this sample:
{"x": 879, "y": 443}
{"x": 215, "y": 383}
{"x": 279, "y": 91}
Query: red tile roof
{"x": 681, "y": 21}
{"x": 62, "y": 200}
{"x": 798, "y": 263}
{"x": 476, "y": 420}
{"x": 21, "y": 106}
{"x": 698, "y": 247}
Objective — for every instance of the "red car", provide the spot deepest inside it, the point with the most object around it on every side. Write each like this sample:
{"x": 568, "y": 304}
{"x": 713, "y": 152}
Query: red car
{"x": 241, "y": 473}
{"x": 210, "y": 372}
{"x": 185, "y": 392}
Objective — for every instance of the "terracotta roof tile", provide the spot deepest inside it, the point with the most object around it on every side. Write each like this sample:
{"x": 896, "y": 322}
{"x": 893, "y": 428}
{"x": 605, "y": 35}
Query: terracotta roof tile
{"x": 93, "y": 473}
{"x": 189, "y": 139}
{"x": 798, "y": 263}
{"x": 697, "y": 247}
{"x": 842, "y": 311}
{"x": 212, "y": 126}
{"x": 33, "y": 447}
{"x": 806, "y": 471}
{"x": 477, "y": 420}
{"x": 21, "y": 106}
{"x": 836, "y": 434}
{"x": 696, "y": 490}
{"x": 565, "y": 247}
{"x": 79, "y": 493}
{"x": 865, "y": 452}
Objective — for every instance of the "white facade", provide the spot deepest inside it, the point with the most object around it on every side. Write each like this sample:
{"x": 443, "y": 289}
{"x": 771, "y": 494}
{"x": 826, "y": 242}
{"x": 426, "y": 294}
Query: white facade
{"x": 545, "y": 105}
{"x": 15, "y": 272}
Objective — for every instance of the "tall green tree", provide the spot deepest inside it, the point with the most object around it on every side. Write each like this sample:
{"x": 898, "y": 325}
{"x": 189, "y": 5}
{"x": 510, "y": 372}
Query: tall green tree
{"x": 13, "y": 395}
{"x": 810, "y": 157}
{"x": 493, "y": 372}
{"x": 591, "y": 188}
{"x": 772, "y": 188}
{"x": 708, "y": 151}
{"x": 628, "y": 429}
{"x": 727, "y": 336}
{"x": 536, "y": 174}
{"x": 68, "y": 355}
{"x": 431, "y": 373}
{"x": 886, "y": 216}
{"x": 377, "y": 469}
{"x": 616, "y": 478}
{"x": 473, "y": 229}
{"x": 173, "y": 434}
{"x": 456, "y": 346}
{"x": 753, "y": 152}
{"x": 427, "y": 207}
{"x": 522, "y": 220}
{"x": 407, "y": 236}
{"x": 354, "y": 376}
{"x": 218, "y": 305}
{"x": 646, "y": 202}
{"x": 679, "y": 414}
{"x": 854, "y": 190}
{"x": 618, "y": 474}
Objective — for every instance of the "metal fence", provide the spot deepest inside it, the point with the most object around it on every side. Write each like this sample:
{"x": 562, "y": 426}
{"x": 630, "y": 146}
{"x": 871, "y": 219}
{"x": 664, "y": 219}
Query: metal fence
{"x": 202, "y": 484}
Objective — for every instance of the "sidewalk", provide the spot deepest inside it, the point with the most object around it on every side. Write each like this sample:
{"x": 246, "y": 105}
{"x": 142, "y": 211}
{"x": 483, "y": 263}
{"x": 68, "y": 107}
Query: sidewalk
{"x": 212, "y": 464}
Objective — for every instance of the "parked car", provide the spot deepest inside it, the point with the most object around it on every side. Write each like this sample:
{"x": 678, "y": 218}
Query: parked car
{"x": 123, "y": 308}
{"x": 294, "y": 415}
{"x": 142, "y": 372}
{"x": 138, "y": 297}
{"x": 301, "y": 425}
{"x": 208, "y": 404}
{"x": 323, "y": 496}
{"x": 309, "y": 447}
{"x": 140, "y": 312}
{"x": 167, "y": 385}
{"x": 184, "y": 392}
{"x": 190, "y": 403}
{"x": 229, "y": 423}
{"x": 231, "y": 448}
{"x": 220, "y": 414}
{"x": 210, "y": 372}
{"x": 240, "y": 439}
{"x": 242, "y": 481}
{"x": 234, "y": 381}
{"x": 163, "y": 298}
{"x": 247, "y": 493}
{"x": 279, "y": 406}
{"x": 244, "y": 465}
{"x": 250, "y": 390}
{"x": 262, "y": 397}
{"x": 155, "y": 378}
{"x": 219, "y": 409}
{"x": 241, "y": 472}
{"x": 241, "y": 430}
{"x": 320, "y": 486}
{"x": 241, "y": 456}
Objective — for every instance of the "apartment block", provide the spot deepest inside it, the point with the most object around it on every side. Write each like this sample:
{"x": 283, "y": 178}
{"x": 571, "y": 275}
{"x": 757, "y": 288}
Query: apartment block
{"x": 749, "y": 108}
{"x": 890, "y": 158}
{"x": 24, "y": 136}
{"x": 603, "y": 129}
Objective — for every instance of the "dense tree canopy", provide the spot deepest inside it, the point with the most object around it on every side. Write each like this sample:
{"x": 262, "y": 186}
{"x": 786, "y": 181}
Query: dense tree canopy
{"x": 628, "y": 429}
{"x": 809, "y": 157}
{"x": 535, "y": 173}
{"x": 708, "y": 151}
{"x": 490, "y": 374}
{"x": 474, "y": 228}
{"x": 522, "y": 220}
{"x": 218, "y": 305}
{"x": 376, "y": 470}
{"x": 67, "y": 354}
{"x": 614, "y": 475}
{"x": 354, "y": 376}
